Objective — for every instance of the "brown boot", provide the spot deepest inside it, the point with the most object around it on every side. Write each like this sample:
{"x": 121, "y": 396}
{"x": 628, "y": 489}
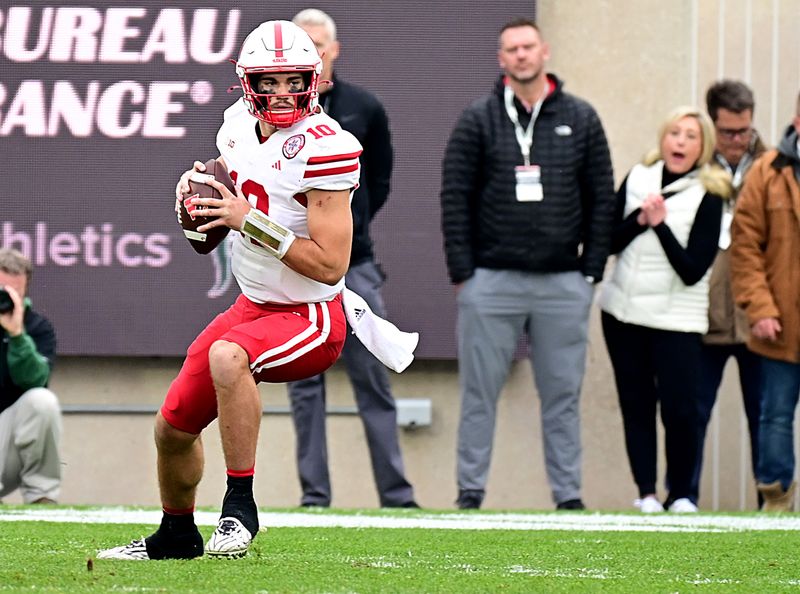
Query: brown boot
{"x": 45, "y": 501}
{"x": 775, "y": 498}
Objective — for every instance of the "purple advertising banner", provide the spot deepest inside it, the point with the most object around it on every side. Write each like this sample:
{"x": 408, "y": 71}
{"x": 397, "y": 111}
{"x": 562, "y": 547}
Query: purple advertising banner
{"x": 104, "y": 104}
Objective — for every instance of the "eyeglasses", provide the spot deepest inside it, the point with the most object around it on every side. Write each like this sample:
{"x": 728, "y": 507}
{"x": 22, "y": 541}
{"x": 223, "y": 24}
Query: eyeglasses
{"x": 731, "y": 133}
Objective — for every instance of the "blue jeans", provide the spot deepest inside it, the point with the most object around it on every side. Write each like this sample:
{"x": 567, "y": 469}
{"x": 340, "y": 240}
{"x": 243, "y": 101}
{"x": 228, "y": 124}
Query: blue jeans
{"x": 780, "y": 388}
{"x": 713, "y": 360}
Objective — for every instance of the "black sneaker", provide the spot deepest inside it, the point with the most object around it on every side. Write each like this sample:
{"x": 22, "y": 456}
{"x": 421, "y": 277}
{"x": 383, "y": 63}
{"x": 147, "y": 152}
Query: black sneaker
{"x": 159, "y": 545}
{"x": 571, "y": 504}
{"x": 469, "y": 498}
{"x": 406, "y": 504}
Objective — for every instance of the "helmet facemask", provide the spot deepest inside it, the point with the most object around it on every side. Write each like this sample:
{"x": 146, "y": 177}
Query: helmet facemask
{"x": 271, "y": 107}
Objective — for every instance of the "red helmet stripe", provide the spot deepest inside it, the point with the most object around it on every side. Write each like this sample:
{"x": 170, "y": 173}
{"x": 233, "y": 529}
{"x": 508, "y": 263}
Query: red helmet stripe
{"x": 278, "y": 40}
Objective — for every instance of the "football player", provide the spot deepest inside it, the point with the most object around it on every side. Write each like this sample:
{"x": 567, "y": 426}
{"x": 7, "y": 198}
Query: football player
{"x": 295, "y": 169}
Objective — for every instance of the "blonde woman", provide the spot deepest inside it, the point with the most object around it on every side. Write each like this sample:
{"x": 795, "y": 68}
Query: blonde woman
{"x": 655, "y": 303}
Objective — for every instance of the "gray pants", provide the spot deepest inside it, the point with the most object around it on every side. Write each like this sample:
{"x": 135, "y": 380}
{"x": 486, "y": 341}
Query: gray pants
{"x": 375, "y": 404}
{"x": 30, "y": 430}
{"x": 494, "y": 308}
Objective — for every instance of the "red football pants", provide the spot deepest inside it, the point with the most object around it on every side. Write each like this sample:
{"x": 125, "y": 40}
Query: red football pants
{"x": 283, "y": 343}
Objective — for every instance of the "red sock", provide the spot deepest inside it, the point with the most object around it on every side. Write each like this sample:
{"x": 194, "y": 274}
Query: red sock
{"x": 178, "y": 512}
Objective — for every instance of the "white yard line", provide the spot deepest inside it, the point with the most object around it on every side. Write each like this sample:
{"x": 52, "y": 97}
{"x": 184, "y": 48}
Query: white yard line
{"x": 455, "y": 521}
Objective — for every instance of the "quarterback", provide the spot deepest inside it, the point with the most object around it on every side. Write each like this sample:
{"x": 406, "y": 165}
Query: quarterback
{"x": 295, "y": 169}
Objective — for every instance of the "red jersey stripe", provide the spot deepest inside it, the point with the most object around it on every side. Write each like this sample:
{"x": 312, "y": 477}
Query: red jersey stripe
{"x": 332, "y": 158}
{"x": 331, "y": 171}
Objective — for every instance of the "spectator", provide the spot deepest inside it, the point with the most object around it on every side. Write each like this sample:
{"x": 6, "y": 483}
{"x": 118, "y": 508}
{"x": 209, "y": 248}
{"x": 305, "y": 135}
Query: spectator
{"x": 360, "y": 113}
{"x": 655, "y": 304}
{"x": 289, "y": 259}
{"x": 527, "y": 202}
{"x": 730, "y": 105}
{"x": 30, "y": 418}
{"x": 765, "y": 272}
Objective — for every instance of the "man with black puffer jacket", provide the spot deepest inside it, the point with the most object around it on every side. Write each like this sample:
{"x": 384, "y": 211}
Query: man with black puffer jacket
{"x": 527, "y": 206}
{"x": 30, "y": 418}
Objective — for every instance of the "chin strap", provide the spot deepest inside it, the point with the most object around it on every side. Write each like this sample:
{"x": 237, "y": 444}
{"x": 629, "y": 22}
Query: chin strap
{"x": 268, "y": 232}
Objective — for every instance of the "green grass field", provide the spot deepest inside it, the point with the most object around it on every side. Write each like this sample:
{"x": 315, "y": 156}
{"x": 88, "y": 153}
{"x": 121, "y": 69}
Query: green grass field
{"x": 50, "y": 556}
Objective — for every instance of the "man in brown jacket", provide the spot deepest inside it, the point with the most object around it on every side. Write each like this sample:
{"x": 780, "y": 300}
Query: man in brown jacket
{"x": 730, "y": 104}
{"x": 765, "y": 272}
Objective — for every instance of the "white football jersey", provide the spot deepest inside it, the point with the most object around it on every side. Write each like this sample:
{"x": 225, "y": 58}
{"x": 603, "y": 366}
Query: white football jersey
{"x": 315, "y": 153}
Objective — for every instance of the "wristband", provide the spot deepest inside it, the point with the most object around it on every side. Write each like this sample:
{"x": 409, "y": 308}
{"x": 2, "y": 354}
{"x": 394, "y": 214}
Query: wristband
{"x": 272, "y": 235}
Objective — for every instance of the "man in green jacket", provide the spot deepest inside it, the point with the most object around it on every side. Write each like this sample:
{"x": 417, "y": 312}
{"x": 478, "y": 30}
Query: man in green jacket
{"x": 30, "y": 418}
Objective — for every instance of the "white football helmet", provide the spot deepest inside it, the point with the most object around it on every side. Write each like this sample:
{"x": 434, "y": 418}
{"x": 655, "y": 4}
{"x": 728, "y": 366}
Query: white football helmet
{"x": 279, "y": 47}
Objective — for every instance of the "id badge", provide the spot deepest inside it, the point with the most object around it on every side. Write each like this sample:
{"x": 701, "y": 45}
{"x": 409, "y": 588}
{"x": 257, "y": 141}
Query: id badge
{"x": 529, "y": 183}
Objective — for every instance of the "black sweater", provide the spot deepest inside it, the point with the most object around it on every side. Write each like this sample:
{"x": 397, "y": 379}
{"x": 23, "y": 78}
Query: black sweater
{"x": 361, "y": 113}
{"x": 690, "y": 263}
{"x": 483, "y": 223}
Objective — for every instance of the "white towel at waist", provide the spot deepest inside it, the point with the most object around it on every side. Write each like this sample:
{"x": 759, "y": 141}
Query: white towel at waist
{"x": 391, "y": 346}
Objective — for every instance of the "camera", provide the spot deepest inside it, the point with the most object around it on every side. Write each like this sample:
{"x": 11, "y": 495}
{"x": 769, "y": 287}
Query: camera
{"x": 6, "y": 303}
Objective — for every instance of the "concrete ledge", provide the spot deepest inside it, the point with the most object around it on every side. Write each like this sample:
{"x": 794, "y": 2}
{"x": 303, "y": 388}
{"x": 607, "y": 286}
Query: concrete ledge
{"x": 150, "y": 409}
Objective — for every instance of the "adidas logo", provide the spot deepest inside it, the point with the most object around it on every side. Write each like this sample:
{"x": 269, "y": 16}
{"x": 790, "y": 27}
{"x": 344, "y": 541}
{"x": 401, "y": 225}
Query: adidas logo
{"x": 277, "y": 165}
{"x": 359, "y": 312}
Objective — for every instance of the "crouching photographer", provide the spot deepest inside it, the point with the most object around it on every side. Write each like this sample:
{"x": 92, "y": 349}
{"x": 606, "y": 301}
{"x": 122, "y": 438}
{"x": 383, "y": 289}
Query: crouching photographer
{"x": 30, "y": 417}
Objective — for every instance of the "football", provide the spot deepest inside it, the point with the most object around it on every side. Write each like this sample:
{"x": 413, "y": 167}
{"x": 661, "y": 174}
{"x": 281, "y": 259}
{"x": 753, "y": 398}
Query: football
{"x": 191, "y": 216}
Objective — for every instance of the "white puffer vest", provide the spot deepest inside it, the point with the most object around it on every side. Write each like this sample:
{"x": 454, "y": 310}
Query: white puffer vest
{"x": 644, "y": 289}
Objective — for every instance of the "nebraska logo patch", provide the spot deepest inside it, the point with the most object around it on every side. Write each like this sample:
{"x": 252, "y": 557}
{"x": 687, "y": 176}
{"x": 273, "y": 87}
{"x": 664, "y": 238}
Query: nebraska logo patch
{"x": 293, "y": 145}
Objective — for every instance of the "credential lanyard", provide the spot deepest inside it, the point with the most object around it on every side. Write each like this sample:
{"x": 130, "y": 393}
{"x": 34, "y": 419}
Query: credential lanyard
{"x": 524, "y": 137}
